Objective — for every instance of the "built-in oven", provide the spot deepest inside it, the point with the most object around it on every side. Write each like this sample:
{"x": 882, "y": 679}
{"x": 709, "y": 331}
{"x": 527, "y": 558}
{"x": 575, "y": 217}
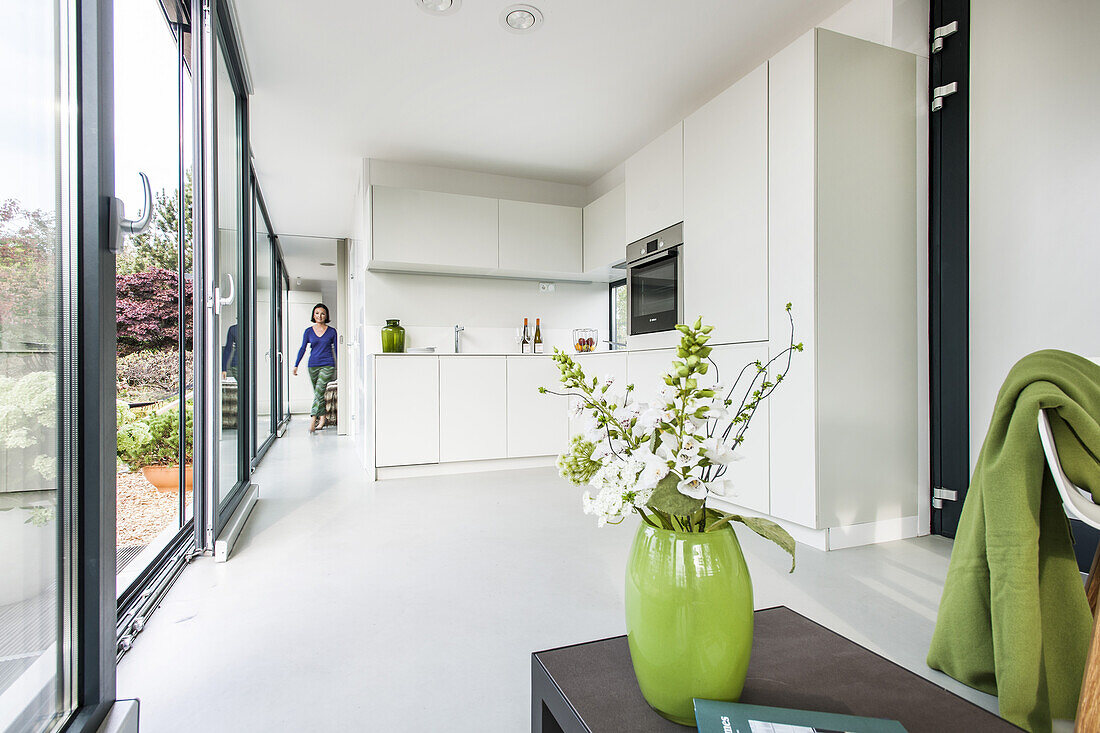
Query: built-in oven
{"x": 655, "y": 281}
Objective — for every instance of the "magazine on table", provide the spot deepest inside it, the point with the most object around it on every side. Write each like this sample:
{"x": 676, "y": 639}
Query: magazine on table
{"x": 713, "y": 716}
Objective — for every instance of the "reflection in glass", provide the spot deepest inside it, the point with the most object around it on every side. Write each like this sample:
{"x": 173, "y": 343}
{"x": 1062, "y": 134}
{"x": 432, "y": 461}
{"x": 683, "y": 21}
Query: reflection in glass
{"x": 35, "y": 245}
{"x": 264, "y": 351}
{"x": 228, "y": 243}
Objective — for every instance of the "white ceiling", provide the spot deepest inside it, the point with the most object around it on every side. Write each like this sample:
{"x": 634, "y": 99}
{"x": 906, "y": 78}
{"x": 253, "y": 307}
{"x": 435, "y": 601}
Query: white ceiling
{"x": 336, "y": 81}
{"x": 303, "y": 257}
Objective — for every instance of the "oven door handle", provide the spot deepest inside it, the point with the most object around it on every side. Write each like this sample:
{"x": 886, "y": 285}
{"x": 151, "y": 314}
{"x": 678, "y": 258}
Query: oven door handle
{"x": 670, "y": 252}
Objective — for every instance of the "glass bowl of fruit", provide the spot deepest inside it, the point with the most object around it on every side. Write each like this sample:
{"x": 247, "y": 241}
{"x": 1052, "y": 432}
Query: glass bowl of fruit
{"x": 585, "y": 339}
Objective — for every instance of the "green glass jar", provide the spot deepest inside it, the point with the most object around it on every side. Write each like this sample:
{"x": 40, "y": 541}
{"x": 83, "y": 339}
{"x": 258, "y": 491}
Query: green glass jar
{"x": 393, "y": 337}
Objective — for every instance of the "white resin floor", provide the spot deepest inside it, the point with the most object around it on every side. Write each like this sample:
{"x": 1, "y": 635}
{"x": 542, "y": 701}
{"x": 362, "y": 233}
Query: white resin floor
{"x": 414, "y": 604}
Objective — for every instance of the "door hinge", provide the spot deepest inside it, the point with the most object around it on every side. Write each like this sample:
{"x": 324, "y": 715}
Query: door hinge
{"x": 940, "y": 495}
{"x": 940, "y": 92}
{"x": 941, "y": 33}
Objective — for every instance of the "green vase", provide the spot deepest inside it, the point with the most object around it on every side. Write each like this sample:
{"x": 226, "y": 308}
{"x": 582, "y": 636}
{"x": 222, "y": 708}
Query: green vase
{"x": 688, "y": 618}
{"x": 393, "y": 337}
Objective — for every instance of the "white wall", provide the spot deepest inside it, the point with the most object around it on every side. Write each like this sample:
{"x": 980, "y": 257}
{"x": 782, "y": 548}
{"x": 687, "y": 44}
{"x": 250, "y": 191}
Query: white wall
{"x": 1034, "y": 188}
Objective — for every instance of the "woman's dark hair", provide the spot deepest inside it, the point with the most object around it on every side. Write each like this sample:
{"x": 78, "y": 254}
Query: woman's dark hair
{"x": 319, "y": 305}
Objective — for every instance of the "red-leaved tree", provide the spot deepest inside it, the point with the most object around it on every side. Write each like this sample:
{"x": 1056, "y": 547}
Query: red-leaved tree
{"x": 147, "y": 311}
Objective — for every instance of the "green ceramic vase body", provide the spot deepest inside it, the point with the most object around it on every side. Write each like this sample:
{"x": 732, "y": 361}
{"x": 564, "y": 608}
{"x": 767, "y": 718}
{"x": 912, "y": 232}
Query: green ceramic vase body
{"x": 393, "y": 337}
{"x": 688, "y": 618}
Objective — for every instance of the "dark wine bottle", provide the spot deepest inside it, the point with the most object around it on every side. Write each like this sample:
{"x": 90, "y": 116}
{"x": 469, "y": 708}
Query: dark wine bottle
{"x": 525, "y": 345}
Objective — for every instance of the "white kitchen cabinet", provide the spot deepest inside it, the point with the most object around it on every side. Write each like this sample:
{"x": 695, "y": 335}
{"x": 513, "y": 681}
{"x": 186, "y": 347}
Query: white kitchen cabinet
{"x": 655, "y": 185}
{"x": 537, "y": 423}
{"x": 646, "y": 370}
{"x": 406, "y": 419}
{"x": 473, "y": 409}
{"x": 601, "y": 364}
{"x": 605, "y": 230}
{"x": 431, "y": 228}
{"x": 750, "y": 474}
{"x": 843, "y": 248}
{"x": 542, "y": 237}
{"x": 726, "y": 211}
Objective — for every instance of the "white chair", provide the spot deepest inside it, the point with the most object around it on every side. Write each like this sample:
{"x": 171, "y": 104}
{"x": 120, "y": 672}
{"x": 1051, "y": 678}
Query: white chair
{"x": 1079, "y": 504}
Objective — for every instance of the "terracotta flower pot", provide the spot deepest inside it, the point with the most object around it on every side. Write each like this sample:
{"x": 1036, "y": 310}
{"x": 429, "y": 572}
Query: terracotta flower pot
{"x": 167, "y": 478}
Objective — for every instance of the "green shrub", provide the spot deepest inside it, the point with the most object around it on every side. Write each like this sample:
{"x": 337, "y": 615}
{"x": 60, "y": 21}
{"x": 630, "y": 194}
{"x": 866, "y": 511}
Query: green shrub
{"x": 153, "y": 439}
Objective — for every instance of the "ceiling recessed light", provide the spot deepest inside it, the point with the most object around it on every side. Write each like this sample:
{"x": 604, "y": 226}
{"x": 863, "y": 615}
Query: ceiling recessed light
{"x": 328, "y": 264}
{"x": 439, "y": 7}
{"x": 521, "y": 18}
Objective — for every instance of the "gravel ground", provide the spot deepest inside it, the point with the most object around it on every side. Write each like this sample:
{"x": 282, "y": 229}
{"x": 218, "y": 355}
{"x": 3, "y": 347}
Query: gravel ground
{"x": 142, "y": 511}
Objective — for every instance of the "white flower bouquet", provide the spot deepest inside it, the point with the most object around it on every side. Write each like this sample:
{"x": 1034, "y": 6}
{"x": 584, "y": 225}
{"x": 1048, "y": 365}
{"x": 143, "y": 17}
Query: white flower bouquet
{"x": 664, "y": 460}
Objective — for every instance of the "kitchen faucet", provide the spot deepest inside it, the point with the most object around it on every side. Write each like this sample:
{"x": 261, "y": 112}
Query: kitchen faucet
{"x": 457, "y": 330}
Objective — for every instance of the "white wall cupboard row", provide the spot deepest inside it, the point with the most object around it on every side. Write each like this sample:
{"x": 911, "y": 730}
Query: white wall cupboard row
{"x": 428, "y": 231}
{"x": 465, "y": 408}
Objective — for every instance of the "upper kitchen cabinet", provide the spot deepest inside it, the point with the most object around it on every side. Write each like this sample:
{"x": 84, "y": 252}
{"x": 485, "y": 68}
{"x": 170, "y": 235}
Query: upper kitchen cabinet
{"x": 655, "y": 185}
{"x": 726, "y": 211}
{"x": 541, "y": 237}
{"x": 843, "y": 247}
{"x": 605, "y": 230}
{"x": 431, "y": 228}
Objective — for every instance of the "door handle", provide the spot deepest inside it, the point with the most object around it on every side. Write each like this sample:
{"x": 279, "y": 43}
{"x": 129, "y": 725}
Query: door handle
{"x": 219, "y": 301}
{"x": 120, "y": 225}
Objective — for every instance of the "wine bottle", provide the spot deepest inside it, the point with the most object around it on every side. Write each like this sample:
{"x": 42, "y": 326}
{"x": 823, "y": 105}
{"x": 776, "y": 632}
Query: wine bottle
{"x": 538, "y": 337}
{"x": 525, "y": 344}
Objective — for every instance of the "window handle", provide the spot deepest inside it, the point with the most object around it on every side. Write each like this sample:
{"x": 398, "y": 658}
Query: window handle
{"x": 120, "y": 225}
{"x": 219, "y": 301}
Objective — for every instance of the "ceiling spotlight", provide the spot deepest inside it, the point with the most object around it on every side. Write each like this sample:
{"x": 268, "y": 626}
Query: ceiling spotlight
{"x": 328, "y": 264}
{"x": 439, "y": 7}
{"x": 521, "y": 18}
{"x": 299, "y": 281}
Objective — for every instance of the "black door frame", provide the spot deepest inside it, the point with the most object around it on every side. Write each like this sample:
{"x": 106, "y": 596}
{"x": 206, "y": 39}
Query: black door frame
{"x": 949, "y": 268}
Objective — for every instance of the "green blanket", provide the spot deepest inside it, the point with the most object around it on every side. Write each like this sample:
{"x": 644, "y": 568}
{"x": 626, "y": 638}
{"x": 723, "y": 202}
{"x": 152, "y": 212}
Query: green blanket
{"x": 1013, "y": 619}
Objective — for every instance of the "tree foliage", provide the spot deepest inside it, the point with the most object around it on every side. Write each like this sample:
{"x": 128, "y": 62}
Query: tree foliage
{"x": 28, "y": 276}
{"x": 147, "y": 311}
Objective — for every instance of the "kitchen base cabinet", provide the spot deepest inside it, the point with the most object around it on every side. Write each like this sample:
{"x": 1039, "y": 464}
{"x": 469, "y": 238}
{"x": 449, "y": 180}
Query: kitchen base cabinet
{"x": 601, "y": 365}
{"x": 750, "y": 474}
{"x": 472, "y": 408}
{"x": 406, "y": 418}
{"x": 537, "y": 423}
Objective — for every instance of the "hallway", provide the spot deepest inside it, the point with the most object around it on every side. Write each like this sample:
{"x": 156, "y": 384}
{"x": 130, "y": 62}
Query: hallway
{"x": 396, "y": 606}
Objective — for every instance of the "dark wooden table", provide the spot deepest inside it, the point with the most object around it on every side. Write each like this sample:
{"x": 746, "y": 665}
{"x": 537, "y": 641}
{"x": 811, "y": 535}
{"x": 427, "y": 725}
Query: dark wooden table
{"x": 796, "y": 663}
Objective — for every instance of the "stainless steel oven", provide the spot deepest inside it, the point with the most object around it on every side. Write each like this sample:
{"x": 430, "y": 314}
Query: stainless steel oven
{"x": 655, "y": 281}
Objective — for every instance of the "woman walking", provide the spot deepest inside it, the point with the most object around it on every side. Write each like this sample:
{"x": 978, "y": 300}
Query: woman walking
{"x": 321, "y": 340}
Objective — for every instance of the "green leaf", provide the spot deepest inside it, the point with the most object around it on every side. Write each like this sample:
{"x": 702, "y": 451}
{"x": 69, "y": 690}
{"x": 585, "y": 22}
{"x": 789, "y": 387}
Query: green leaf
{"x": 766, "y": 528}
{"x": 668, "y": 500}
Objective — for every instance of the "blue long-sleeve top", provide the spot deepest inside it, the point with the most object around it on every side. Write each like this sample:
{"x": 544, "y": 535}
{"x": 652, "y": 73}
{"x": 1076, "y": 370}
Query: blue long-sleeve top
{"x": 322, "y": 349}
{"x": 229, "y": 351}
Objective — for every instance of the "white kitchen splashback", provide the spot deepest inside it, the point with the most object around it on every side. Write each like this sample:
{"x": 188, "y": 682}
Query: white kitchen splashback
{"x": 490, "y": 311}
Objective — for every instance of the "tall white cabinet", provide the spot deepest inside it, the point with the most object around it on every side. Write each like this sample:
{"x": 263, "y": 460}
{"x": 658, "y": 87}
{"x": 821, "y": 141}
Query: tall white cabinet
{"x": 842, "y": 248}
{"x": 655, "y": 185}
{"x": 726, "y": 211}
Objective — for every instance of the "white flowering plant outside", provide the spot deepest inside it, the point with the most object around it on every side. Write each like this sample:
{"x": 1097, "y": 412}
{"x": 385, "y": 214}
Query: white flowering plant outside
{"x": 666, "y": 459}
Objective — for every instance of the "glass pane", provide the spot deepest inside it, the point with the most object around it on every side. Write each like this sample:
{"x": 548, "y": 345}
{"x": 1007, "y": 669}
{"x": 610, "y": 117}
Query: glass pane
{"x": 284, "y": 326}
{"x": 228, "y": 243}
{"x": 654, "y": 288}
{"x": 154, "y": 367}
{"x": 36, "y": 184}
{"x": 264, "y": 351}
{"x": 619, "y": 318}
